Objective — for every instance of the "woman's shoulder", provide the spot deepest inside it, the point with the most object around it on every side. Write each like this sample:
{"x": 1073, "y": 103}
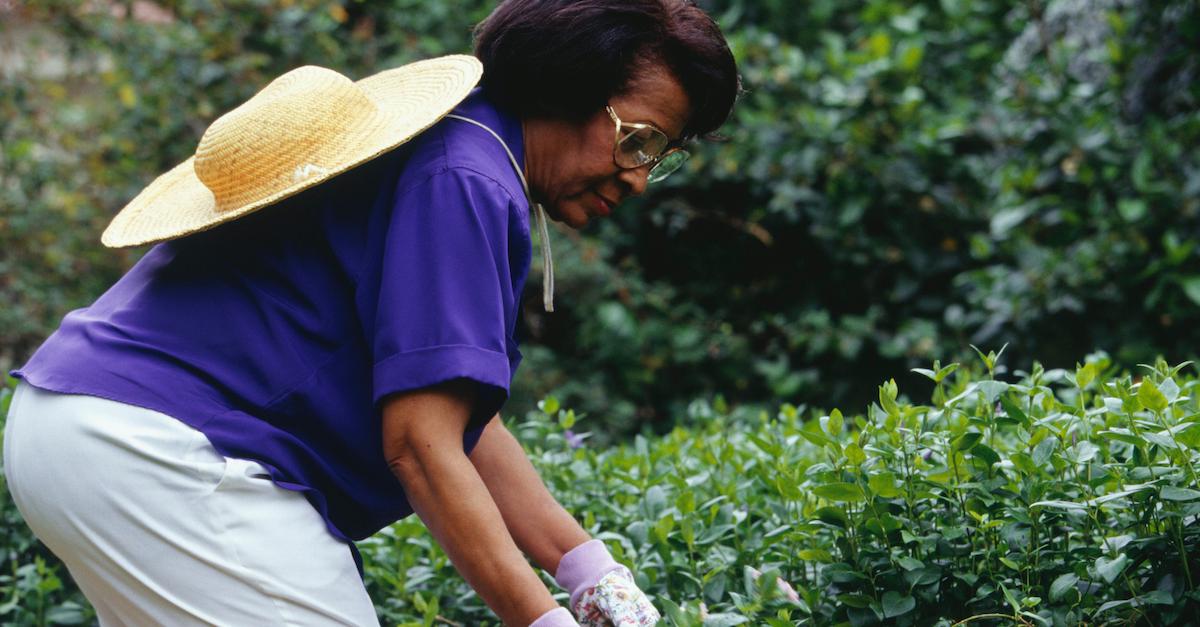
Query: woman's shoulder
{"x": 461, "y": 148}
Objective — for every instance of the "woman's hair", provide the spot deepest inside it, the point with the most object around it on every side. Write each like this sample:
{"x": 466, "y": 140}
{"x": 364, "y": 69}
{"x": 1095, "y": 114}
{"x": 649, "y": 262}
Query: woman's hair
{"x": 567, "y": 58}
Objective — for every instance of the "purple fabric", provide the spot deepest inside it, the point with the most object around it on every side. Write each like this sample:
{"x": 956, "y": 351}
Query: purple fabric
{"x": 557, "y": 617}
{"x": 583, "y": 566}
{"x": 277, "y": 335}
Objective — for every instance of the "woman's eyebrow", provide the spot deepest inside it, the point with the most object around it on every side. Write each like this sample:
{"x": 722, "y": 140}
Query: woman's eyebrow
{"x": 659, "y": 129}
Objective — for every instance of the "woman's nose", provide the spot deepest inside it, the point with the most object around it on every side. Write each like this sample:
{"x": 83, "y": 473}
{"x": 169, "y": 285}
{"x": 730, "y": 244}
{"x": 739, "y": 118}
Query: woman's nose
{"x": 635, "y": 179}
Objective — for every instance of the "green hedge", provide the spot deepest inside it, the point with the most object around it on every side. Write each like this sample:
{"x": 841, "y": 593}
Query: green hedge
{"x": 1053, "y": 498}
{"x": 901, "y": 179}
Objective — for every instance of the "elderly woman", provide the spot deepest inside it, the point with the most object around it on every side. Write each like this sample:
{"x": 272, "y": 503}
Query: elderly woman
{"x": 202, "y": 444}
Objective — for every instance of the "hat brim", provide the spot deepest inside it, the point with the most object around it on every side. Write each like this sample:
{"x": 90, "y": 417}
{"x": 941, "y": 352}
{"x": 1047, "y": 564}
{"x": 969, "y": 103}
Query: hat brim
{"x": 410, "y": 98}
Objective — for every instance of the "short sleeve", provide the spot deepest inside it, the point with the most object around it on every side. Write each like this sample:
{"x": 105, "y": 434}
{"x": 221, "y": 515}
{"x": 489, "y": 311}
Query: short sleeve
{"x": 447, "y": 305}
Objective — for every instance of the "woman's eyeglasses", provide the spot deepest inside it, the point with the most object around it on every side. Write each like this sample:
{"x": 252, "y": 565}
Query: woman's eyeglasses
{"x": 641, "y": 144}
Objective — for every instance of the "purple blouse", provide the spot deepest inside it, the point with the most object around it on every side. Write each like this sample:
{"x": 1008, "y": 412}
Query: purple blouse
{"x": 278, "y": 334}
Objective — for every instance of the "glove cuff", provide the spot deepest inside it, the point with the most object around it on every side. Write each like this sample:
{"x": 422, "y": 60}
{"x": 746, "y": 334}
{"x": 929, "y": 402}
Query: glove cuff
{"x": 583, "y": 566}
{"x": 557, "y": 617}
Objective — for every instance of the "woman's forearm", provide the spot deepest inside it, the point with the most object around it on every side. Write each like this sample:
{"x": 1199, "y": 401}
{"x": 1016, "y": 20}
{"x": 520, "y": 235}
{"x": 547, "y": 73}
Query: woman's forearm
{"x": 452, "y": 500}
{"x": 539, "y": 525}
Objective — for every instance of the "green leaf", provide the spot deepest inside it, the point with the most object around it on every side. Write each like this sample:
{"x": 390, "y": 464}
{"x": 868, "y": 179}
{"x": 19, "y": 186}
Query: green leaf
{"x": 725, "y": 619}
{"x": 923, "y": 576}
{"x": 909, "y": 563}
{"x": 566, "y": 419}
{"x": 1165, "y": 441}
{"x": 549, "y": 405}
{"x": 1131, "y": 209}
{"x": 1143, "y": 167}
{"x": 1024, "y": 463}
{"x": 835, "y": 424}
{"x": 1012, "y": 409}
{"x": 69, "y": 613}
{"x": 1110, "y": 569}
{"x": 816, "y": 437}
{"x": 1060, "y": 505}
{"x": 1043, "y": 451}
{"x": 931, "y": 375}
{"x": 815, "y": 555}
{"x": 840, "y": 491}
{"x": 673, "y": 612}
{"x": 1063, "y": 584}
{"x": 1157, "y": 597}
{"x": 887, "y": 398}
{"x": 1082, "y": 453}
{"x": 1122, "y": 435}
{"x": 945, "y": 371}
{"x": 854, "y": 454}
{"x": 883, "y": 525}
{"x": 854, "y": 600}
{"x": 896, "y": 604}
{"x": 986, "y": 453}
{"x": 663, "y": 528}
{"x": 1169, "y": 389}
{"x": 1172, "y": 493}
{"x": 966, "y": 441}
{"x": 884, "y": 484}
{"x": 1189, "y": 436}
{"x": 1191, "y": 288}
{"x": 1150, "y": 397}
{"x": 833, "y": 516}
{"x": 1085, "y": 374}
{"x": 1109, "y": 605}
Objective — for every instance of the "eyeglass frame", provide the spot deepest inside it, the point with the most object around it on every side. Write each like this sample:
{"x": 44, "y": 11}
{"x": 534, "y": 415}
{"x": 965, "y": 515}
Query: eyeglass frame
{"x": 654, "y": 161}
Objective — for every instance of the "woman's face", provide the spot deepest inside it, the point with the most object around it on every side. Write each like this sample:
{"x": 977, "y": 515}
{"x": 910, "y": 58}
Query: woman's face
{"x": 570, "y": 164}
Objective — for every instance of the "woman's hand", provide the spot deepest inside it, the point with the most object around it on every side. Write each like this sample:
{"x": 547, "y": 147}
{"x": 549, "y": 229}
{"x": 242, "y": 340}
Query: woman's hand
{"x": 552, "y": 538}
{"x": 616, "y": 600}
{"x": 602, "y": 591}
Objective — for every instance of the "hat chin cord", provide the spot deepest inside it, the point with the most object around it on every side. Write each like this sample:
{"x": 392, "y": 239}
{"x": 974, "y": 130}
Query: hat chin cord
{"x": 539, "y": 215}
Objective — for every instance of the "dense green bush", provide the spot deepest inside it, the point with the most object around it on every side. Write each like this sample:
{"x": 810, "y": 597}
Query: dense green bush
{"x": 1059, "y": 498}
{"x": 1055, "y": 498}
{"x": 901, "y": 178}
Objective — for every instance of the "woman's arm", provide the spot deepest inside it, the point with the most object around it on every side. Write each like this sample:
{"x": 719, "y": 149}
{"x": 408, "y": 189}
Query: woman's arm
{"x": 538, "y": 524}
{"x": 422, "y": 436}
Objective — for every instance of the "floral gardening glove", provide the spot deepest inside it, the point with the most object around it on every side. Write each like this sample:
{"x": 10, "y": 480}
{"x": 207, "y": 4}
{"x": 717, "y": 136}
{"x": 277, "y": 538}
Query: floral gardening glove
{"x": 602, "y": 591}
{"x": 617, "y": 601}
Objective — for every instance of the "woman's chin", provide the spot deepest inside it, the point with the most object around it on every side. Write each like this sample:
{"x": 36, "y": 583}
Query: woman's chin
{"x": 572, "y": 215}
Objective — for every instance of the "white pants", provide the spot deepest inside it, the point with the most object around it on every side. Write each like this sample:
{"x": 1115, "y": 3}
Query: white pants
{"x": 157, "y": 528}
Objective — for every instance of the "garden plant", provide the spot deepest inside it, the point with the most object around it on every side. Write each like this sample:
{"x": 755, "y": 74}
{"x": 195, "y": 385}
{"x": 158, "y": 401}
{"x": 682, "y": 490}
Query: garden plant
{"x": 1047, "y": 497}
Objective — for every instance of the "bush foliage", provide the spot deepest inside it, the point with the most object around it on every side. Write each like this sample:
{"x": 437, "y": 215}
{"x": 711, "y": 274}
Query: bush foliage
{"x": 1054, "y": 498}
{"x": 901, "y": 178}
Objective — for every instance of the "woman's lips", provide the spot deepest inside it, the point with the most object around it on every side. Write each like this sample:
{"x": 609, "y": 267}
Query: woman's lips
{"x": 603, "y": 206}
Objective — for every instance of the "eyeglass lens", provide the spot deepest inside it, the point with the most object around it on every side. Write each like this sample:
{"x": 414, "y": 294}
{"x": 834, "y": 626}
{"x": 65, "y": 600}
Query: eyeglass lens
{"x": 639, "y": 144}
{"x": 667, "y": 166}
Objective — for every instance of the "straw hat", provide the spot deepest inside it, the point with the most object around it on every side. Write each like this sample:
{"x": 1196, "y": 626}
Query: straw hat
{"x": 306, "y": 127}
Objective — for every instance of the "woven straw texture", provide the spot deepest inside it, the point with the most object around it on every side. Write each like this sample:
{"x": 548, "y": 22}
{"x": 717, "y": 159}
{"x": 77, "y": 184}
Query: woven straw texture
{"x": 305, "y": 127}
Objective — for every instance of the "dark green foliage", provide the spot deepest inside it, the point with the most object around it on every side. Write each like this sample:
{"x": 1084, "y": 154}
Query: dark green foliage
{"x": 1059, "y": 498}
{"x": 900, "y": 179}
{"x": 1053, "y": 498}
{"x": 903, "y": 179}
